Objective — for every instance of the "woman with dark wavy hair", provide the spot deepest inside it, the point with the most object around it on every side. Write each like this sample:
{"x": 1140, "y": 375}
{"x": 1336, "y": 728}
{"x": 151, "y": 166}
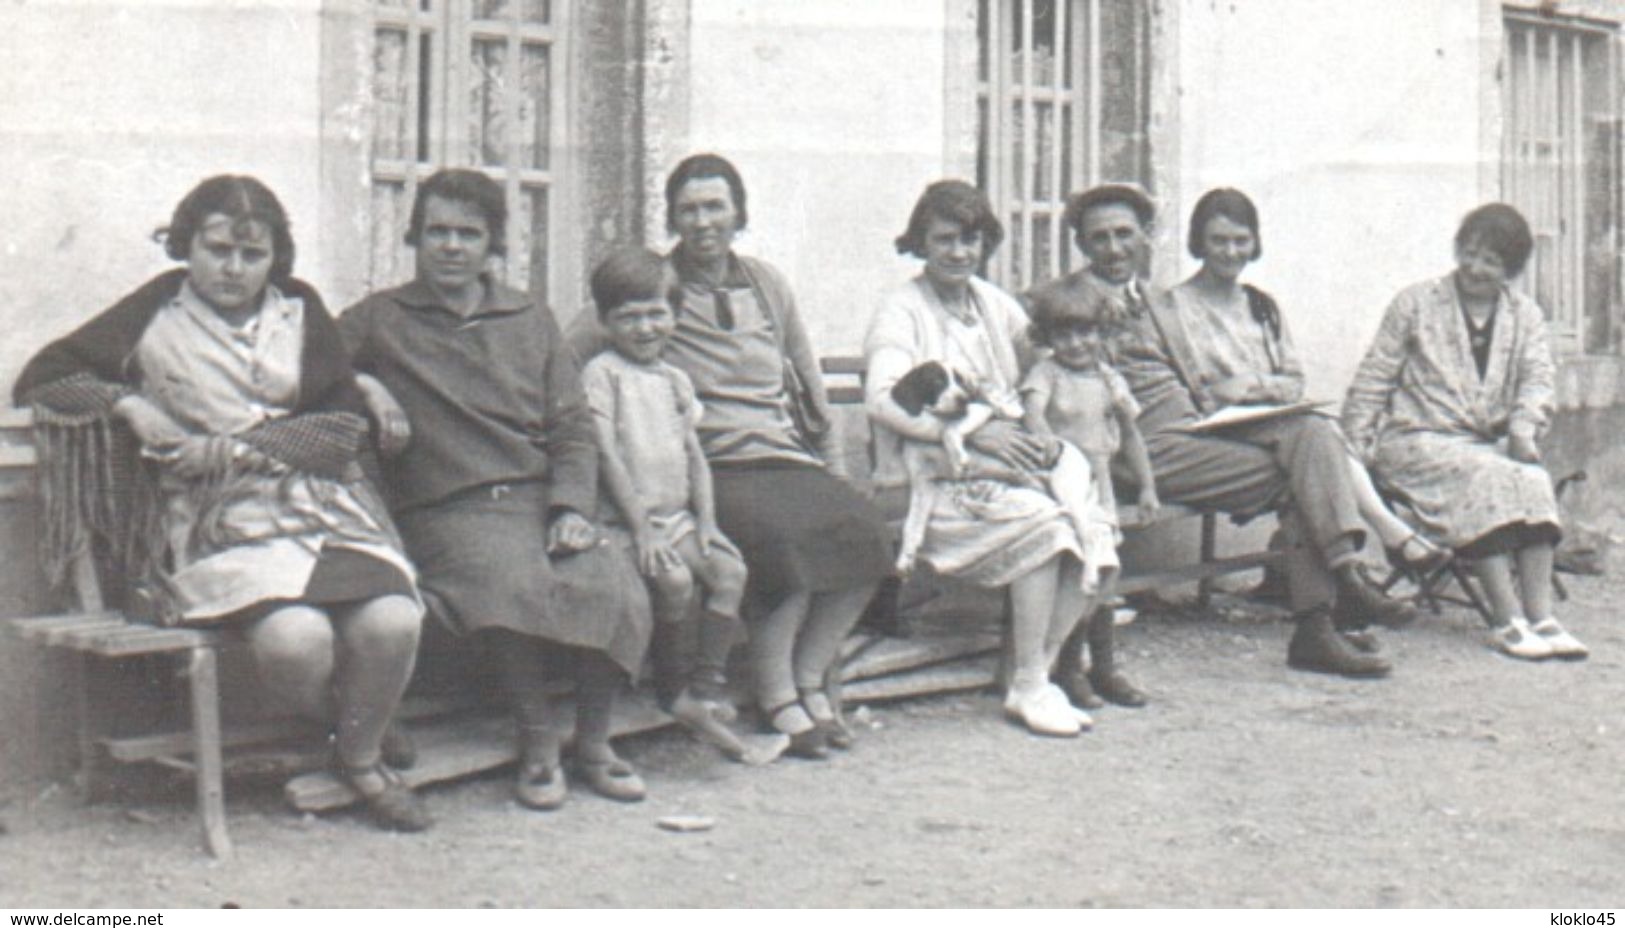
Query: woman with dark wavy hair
{"x": 208, "y": 428}
{"x": 983, "y": 531}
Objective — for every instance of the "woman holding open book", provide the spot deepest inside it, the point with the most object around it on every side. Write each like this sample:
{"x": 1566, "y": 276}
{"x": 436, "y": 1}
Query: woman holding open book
{"x": 1241, "y": 353}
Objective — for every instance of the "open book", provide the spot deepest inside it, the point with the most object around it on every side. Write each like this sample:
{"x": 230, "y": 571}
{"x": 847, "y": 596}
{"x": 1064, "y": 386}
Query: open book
{"x": 1237, "y": 415}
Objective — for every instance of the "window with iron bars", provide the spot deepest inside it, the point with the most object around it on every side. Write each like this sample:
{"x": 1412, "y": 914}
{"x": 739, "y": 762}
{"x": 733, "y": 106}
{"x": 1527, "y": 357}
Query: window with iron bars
{"x": 1063, "y": 104}
{"x": 1560, "y": 168}
{"x": 477, "y": 84}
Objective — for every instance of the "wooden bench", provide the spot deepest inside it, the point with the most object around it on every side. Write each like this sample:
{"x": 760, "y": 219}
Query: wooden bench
{"x": 455, "y": 737}
{"x": 96, "y": 632}
{"x": 844, "y": 375}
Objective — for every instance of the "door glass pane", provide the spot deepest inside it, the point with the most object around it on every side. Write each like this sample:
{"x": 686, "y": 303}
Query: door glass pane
{"x": 487, "y": 90}
{"x": 535, "y": 110}
{"x": 391, "y": 94}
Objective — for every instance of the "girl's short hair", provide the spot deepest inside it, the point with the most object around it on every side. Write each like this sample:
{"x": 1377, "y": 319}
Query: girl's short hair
{"x": 1501, "y": 229}
{"x": 1233, "y": 205}
{"x": 699, "y": 167}
{"x": 463, "y": 186}
{"x": 1053, "y": 312}
{"x": 628, "y": 274}
{"x": 954, "y": 201}
{"x": 240, "y": 198}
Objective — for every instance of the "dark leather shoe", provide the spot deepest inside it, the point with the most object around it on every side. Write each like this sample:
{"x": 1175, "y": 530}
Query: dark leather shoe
{"x": 1116, "y": 688}
{"x": 1079, "y": 691}
{"x": 1317, "y": 647}
{"x": 1361, "y": 640}
{"x": 1359, "y": 603}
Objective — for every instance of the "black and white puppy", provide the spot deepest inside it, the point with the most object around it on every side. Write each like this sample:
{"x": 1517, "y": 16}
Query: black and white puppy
{"x": 953, "y": 398}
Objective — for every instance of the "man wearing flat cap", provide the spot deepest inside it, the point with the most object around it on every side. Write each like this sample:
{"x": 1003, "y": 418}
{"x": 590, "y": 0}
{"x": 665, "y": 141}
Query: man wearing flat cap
{"x": 1296, "y": 465}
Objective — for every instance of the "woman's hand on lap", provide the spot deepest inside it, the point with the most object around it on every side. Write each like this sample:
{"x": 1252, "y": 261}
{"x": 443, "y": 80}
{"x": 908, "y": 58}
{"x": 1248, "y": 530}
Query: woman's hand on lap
{"x": 1149, "y": 504}
{"x": 151, "y": 425}
{"x": 1011, "y": 444}
{"x": 1232, "y": 391}
{"x": 569, "y": 533}
{"x": 394, "y": 430}
{"x": 1523, "y": 448}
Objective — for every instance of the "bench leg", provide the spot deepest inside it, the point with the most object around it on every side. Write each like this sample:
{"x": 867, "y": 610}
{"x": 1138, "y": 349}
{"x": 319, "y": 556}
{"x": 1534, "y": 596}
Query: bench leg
{"x": 204, "y": 687}
{"x": 1210, "y": 539}
{"x": 92, "y": 724}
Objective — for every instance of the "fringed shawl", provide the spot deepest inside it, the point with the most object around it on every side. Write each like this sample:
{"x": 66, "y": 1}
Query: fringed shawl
{"x": 93, "y": 484}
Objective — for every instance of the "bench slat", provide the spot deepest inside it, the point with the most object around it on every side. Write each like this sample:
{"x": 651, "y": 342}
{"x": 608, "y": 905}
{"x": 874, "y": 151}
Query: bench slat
{"x": 134, "y": 641}
{"x": 843, "y": 364}
{"x": 893, "y": 655}
{"x": 972, "y": 674}
{"x": 38, "y": 628}
{"x": 62, "y": 636}
{"x": 1185, "y": 573}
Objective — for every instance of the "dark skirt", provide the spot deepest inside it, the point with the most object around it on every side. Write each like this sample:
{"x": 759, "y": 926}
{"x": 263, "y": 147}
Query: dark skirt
{"x": 1510, "y": 539}
{"x": 482, "y": 562}
{"x": 800, "y": 528}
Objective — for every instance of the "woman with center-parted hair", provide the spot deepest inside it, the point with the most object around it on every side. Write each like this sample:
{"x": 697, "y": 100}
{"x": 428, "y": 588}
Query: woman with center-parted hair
{"x": 240, "y": 501}
{"x": 816, "y": 550}
{"x": 493, "y": 479}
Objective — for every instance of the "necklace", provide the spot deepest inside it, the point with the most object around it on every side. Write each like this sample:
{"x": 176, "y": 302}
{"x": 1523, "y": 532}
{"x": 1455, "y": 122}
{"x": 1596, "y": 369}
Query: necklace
{"x": 1479, "y": 333}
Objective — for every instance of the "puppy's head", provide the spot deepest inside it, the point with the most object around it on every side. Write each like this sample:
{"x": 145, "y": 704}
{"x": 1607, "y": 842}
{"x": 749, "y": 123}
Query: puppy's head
{"x": 932, "y": 387}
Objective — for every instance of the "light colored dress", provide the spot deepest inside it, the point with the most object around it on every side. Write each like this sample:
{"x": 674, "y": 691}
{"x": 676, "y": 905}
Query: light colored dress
{"x": 1230, "y": 342}
{"x": 983, "y": 531}
{"x": 267, "y": 536}
{"x": 1082, "y": 408}
{"x": 1422, "y": 417}
{"x": 650, "y": 407}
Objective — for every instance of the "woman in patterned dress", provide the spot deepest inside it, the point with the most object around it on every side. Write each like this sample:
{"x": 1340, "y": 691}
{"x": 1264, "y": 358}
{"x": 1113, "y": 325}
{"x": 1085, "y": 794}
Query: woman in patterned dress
{"x": 1448, "y": 406}
{"x": 208, "y": 428}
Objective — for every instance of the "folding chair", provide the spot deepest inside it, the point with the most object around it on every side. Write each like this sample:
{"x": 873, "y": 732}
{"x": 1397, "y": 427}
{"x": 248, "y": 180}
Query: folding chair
{"x": 1433, "y": 587}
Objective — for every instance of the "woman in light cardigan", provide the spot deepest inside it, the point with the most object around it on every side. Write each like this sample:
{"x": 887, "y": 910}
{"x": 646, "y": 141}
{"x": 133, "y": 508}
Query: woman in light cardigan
{"x": 985, "y": 532}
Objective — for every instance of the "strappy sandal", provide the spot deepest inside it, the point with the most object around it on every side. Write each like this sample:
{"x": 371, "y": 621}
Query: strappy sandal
{"x": 398, "y": 750}
{"x": 810, "y": 743}
{"x": 393, "y": 806}
{"x": 612, "y": 778}
{"x": 837, "y": 733}
{"x": 1433, "y": 557}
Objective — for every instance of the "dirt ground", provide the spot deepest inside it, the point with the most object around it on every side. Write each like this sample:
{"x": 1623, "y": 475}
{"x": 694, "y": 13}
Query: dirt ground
{"x": 1464, "y": 780}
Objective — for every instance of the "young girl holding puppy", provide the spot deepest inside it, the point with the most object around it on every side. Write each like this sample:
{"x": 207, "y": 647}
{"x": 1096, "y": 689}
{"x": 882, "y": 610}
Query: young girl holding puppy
{"x": 659, "y": 488}
{"x": 1074, "y": 394}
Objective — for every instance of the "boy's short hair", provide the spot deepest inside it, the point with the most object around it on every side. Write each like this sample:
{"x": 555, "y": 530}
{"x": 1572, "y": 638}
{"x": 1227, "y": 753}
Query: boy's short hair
{"x": 1055, "y": 310}
{"x": 628, "y": 274}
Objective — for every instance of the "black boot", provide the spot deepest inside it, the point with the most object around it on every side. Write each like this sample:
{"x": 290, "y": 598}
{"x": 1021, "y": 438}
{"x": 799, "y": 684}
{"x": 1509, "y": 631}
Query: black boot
{"x": 1355, "y": 629}
{"x": 1359, "y": 603}
{"x": 1107, "y": 680}
{"x": 1070, "y": 676}
{"x": 1317, "y": 646}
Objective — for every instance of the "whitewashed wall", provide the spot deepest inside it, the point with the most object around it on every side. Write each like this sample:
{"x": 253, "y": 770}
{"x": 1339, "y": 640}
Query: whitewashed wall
{"x": 110, "y": 112}
{"x": 1357, "y": 129}
{"x": 834, "y": 113}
